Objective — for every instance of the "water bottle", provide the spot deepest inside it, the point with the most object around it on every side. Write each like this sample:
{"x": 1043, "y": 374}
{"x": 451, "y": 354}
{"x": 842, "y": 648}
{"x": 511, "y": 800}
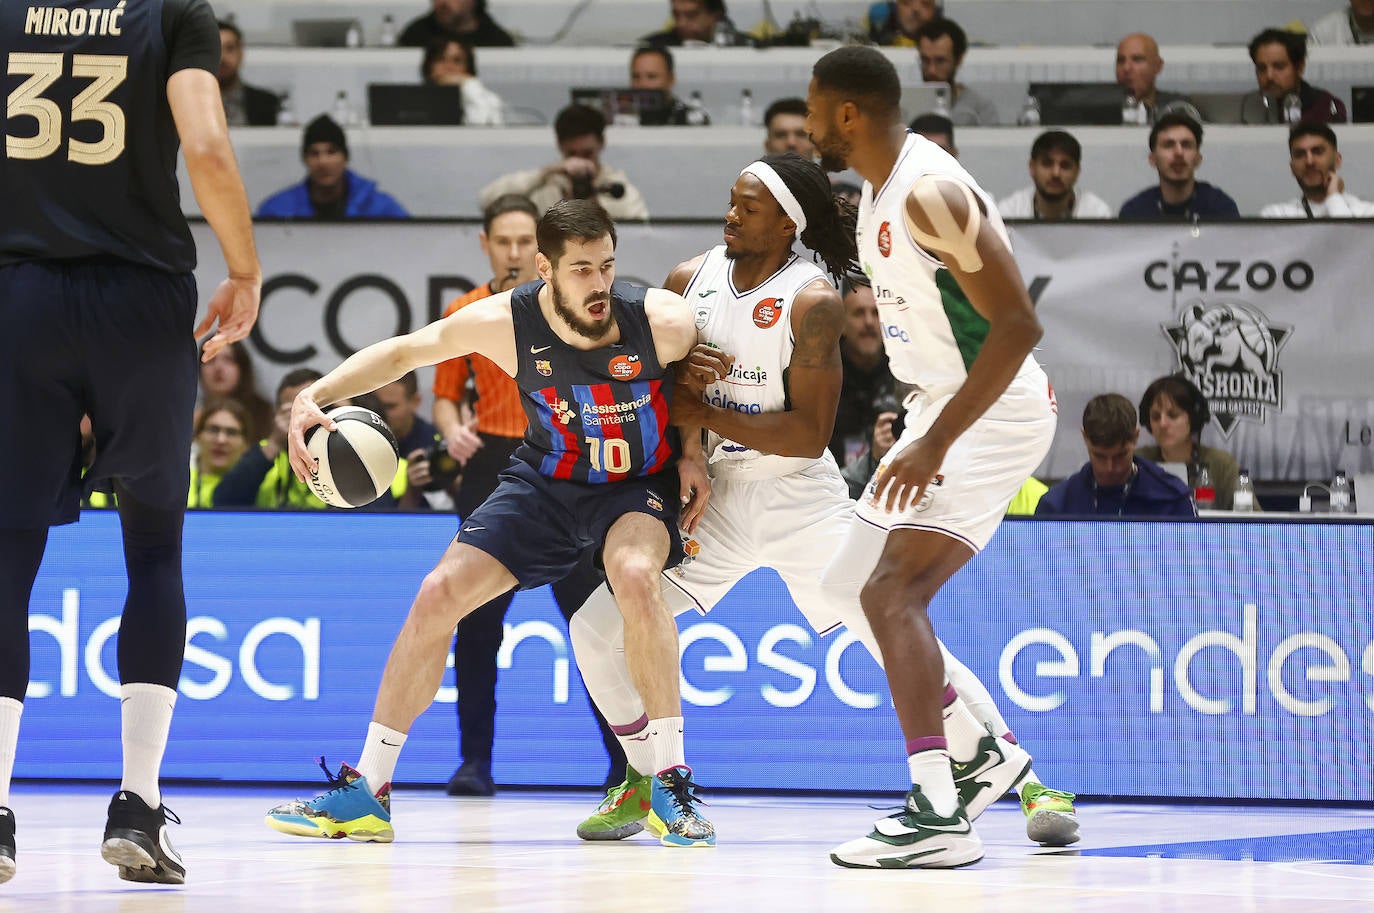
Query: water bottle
{"x": 746, "y": 108}
{"x": 1030, "y": 113}
{"x": 1243, "y": 502}
{"x": 696, "y": 110}
{"x": 353, "y": 38}
{"x": 1204, "y": 495}
{"x": 1340, "y": 493}
{"x": 387, "y": 38}
{"x": 1130, "y": 110}
{"x": 286, "y": 117}
{"x": 942, "y": 101}
{"x": 1292, "y": 109}
{"x": 343, "y": 111}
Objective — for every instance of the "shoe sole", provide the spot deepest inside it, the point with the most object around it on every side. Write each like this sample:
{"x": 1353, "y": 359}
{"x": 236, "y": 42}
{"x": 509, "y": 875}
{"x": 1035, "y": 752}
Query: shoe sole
{"x": 960, "y": 853}
{"x": 135, "y": 863}
{"x": 296, "y": 829}
{"x": 614, "y": 833}
{"x": 1001, "y": 779}
{"x": 666, "y": 837}
{"x": 1049, "y": 828}
{"x": 7, "y": 869}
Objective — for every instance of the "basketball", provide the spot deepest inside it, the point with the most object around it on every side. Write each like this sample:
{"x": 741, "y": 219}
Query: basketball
{"x": 356, "y": 463}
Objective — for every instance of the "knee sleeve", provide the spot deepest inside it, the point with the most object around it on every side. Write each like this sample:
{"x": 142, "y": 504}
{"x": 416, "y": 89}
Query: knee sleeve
{"x": 152, "y": 633}
{"x": 598, "y": 637}
{"x": 973, "y": 693}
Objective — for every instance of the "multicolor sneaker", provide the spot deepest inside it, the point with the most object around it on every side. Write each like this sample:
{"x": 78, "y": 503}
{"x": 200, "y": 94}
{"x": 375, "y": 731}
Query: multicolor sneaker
{"x": 136, "y": 841}
{"x": 1050, "y": 816}
{"x": 350, "y": 809}
{"x": 623, "y": 811}
{"x": 673, "y": 816}
{"x": 7, "y": 866}
{"x": 994, "y": 770}
{"x": 914, "y": 838}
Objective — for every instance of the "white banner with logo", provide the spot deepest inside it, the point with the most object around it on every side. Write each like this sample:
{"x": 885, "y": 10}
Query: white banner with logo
{"x": 1275, "y": 322}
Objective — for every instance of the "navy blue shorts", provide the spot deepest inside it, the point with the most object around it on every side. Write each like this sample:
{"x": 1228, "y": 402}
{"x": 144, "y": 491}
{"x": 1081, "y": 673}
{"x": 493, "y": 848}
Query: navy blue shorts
{"x": 539, "y": 528}
{"x": 105, "y": 338}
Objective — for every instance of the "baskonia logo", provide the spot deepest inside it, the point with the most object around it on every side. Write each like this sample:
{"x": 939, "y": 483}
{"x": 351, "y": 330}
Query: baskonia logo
{"x": 624, "y": 367}
{"x": 1230, "y": 351}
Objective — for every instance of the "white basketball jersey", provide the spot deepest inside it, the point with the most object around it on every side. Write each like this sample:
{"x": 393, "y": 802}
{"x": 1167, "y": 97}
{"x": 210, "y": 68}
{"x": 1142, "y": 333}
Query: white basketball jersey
{"x": 930, "y": 330}
{"x": 754, "y": 326}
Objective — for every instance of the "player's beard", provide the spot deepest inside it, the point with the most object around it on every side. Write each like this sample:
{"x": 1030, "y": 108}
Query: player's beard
{"x": 586, "y": 327}
{"x": 834, "y": 154}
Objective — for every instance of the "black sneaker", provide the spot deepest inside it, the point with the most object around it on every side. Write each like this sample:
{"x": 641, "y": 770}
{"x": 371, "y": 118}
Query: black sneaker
{"x": 6, "y": 844}
{"x": 136, "y": 841}
{"x": 473, "y": 778}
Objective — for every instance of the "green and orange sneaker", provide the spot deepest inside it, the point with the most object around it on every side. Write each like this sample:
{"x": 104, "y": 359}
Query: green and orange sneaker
{"x": 1050, "y": 816}
{"x": 622, "y": 813}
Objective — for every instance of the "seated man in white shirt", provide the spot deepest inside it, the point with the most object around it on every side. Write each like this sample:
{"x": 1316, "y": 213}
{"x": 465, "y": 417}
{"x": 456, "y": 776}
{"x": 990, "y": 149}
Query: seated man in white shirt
{"x": 1314, "y": 160}
{"x": 1055, "y": 162}
{"x": 1344, "y": 27}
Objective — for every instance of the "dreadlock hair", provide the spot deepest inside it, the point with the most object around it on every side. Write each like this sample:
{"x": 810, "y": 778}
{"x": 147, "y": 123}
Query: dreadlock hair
{"x": 830, "y": 219}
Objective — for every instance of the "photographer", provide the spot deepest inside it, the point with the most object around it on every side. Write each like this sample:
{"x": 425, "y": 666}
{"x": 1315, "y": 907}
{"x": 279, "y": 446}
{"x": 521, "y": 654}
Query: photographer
{"x": 868, "y": 400}
{"x": 579, "y": 174}
{"x": 419, "y": 443}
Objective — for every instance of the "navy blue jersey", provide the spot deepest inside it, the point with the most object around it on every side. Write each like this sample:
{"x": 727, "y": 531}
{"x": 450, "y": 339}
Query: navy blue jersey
{"x": 90, "y": 147}
{"x": 597, "y": 415}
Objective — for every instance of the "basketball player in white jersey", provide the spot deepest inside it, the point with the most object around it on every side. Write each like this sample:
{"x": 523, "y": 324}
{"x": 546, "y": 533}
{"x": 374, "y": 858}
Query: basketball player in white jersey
{"x": 778, "y": 499}
{"x": 958, "y": 325}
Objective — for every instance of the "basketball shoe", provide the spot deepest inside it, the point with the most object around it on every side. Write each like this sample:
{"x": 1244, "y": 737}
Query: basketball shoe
{"x": 1050, "y": 816}
{"x": 914, "y": 838}
{"x": 7, "y": 866}
{"x": 673, "y": 816}
{"x": 622, "y": 813}
{"x": 994, "y": 770}
{"x": 349, "y": 809}
{"x": 136, "y": 841}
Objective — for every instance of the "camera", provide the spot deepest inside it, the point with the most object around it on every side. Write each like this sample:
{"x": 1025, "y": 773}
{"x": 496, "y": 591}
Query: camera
{"x": 888, "y": 403}
{"x": 584, "y": 189}
{"x": 443, "y": 469}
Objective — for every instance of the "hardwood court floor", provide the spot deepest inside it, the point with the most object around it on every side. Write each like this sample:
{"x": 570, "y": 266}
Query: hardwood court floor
{"x": 518, "y": 852}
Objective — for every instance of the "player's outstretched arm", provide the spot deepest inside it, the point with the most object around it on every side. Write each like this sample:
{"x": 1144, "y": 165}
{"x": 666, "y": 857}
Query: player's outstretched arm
{"x": 814, "y": 378}
{"x": 483, "y": 327}
{"x": 198, "y": 112}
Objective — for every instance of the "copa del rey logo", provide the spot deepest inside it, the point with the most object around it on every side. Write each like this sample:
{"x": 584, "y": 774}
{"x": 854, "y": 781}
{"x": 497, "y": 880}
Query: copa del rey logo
{"x": 1230, "y": 350}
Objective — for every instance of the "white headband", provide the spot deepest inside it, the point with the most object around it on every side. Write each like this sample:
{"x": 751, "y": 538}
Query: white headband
{"x": 774, "y": 182}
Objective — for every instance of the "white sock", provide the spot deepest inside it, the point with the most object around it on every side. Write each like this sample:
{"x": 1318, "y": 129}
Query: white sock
{"x": 963, "y": 731}
{"x": 145, "y": 712}
{"x": 930, "y": 771}
{"x": 666, "y": 737}
{"x": 638, "y": 746}
{"x": 1030, "y": 777}
{"x": 10, "y": 710}
{"x": 380, "y": 751}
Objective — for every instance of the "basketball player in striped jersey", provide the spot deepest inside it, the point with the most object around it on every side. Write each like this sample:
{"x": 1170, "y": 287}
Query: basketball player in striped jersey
{"x": 770, "y": 322}
{"x": 596, "y": 475}
{"x": 958, "y": 325}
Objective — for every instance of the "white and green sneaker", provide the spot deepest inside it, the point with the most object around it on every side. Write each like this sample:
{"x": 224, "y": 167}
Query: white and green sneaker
{"x": 1050, "y": 816}
{"x": 990, "y": 774}
{"x": 914, "y": 838}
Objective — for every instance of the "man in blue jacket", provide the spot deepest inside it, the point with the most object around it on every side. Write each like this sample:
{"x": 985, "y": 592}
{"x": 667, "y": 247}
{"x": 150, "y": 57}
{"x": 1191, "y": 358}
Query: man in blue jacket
{"x": 1114, "y": 482}
{"x": 330, "y": 190}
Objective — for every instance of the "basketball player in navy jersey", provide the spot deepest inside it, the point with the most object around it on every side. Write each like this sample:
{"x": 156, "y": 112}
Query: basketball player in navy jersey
{"x": 777, "y": 498}
{"x": 97, "y": 312}
{"x": 597, "y": 472}
{"x": 958, "y": 325}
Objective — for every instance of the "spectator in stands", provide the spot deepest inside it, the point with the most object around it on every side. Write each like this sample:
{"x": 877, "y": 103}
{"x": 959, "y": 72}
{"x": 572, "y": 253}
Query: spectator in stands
{"x": 1055, "y": 161}
{"x": 1175, "y": 412}
{"x": 263, "y": 476}
{"x": 330, "y": 191}
{"x": 942, "y": 45}
{"x": 466, "y": 20}
{"x": 652, "y": 68}
{"x": 938, "y": 129}
{"x": 415, "y": 437}
{"x": 244, "y": 105}
{"x": 895, "y": 23}
{"x": 221, "y": 437}
{"x": 1314, "y": 161}
{"x": 580, "y": 174}
{"x": 862, "y": 434}
{"x": 784, "y": 124}
{"x": 1280, "y": 59}
{"x": 452, "y": 62}
{"x": 698, "y": 22}
{"x": 1176, "y": 153}
{"x": 230, "y": 374}
{"x": 1344, "y": 27}
{"x": 1114, "y": 482}
{"x": 1137, "y": 67}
